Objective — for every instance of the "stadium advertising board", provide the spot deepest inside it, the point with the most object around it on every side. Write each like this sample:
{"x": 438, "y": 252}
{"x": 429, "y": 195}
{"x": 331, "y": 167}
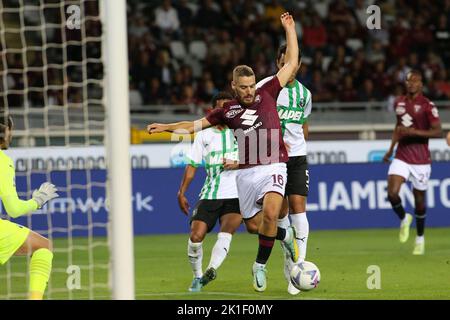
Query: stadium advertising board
{"x": 342, "y": 196}
{"x": 173, "y": 155}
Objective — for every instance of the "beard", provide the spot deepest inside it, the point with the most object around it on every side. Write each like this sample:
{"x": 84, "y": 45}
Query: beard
{"x": 242, "y": 102}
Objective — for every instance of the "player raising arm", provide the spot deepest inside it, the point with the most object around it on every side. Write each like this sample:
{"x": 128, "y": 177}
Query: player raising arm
{"x": 417, "y": 121}
{"x": 15, "y": 239}
{"x": 294, "y": 107}
{"x": 243, "y": 87}
{"x": 262, "y": 154}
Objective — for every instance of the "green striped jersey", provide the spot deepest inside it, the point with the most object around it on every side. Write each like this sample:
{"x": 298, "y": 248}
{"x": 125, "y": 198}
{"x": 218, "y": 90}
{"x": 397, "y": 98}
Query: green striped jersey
{"x": 210, "y": 147}
{"x": 294, "y": 106}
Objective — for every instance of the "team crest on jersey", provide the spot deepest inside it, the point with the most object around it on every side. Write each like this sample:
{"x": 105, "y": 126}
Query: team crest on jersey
{"x": 301, "y": 102}
{"x": 400, "y": 110}
{"x": 417, "y": 108}
{"x": 258, "y": 99}
{"x": 233, "y": 113}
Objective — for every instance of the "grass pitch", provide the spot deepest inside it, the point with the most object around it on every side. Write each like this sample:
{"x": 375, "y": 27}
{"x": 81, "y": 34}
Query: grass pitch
{"x": 343, "y": 257}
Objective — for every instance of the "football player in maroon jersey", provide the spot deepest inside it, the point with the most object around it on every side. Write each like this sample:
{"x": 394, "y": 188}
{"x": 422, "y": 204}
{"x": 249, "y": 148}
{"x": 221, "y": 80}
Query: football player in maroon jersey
{"x": 261, "y": 177}
{"x": 417, "y": 121}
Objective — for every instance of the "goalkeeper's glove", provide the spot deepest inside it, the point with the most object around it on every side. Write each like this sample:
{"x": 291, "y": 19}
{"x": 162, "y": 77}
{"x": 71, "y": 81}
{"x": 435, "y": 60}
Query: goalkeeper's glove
{"x": 46, "y": 192}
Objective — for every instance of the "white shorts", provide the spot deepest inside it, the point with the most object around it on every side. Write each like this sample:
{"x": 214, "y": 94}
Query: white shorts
{"x": 253, "y": 184}
{"x": 418, "y": 174}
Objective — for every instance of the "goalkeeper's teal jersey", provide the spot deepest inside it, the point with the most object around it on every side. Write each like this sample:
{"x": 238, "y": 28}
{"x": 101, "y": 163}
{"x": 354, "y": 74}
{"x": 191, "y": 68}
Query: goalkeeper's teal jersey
{"x": 13, "y": 205}
{"x": 210, "y": 147}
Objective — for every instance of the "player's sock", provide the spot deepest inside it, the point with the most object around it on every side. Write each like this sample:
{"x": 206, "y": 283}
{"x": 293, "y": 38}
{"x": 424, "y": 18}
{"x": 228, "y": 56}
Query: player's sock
{"x": 420, "y": 222}
{"x": 40, "y": 268}
{"x": 195, "y": 254}
{"x": 265, "y": 248}
{"x": 220, "y": 250}
{"x": 301, "y": 224}
{"x": 420, "y": 239}
{"x": 398, "y": 209}
{"x": 284, "y": 222}
{"x": 282, "y": 234}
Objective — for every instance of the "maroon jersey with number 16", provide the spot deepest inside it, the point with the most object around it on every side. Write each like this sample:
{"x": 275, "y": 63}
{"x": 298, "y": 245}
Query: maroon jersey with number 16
{"x": 418, "y": 113}
{"x": 256, "y": 128}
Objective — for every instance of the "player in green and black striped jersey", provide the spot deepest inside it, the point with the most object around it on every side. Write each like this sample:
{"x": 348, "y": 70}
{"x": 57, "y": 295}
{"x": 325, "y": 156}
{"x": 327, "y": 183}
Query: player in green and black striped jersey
{"x": 218, "y": 197}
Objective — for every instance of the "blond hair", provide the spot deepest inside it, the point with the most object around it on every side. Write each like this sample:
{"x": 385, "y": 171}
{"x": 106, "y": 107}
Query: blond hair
{"x": 242, "y": 71}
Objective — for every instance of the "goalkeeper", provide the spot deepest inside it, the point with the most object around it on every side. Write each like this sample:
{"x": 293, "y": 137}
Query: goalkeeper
{"x": 15, "y": 239}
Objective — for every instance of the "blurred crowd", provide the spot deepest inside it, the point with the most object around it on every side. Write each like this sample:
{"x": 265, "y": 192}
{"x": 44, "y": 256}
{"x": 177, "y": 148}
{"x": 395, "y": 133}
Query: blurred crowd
{"x": 183, "y": 52}
{"x": 62, "y": 68}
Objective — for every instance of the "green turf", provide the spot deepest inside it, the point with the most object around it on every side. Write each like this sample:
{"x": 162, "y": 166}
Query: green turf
{"x": 163, "y": 271}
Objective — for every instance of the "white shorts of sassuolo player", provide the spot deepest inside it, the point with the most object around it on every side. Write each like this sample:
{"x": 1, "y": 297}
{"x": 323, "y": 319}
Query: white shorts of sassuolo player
{"x": 418, "y": 174}
{"x": 253, "y": 183}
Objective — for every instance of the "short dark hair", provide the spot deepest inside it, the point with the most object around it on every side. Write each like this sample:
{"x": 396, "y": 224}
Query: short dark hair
{"x": 222, "y": 95}
{"x": 282, "y": 50}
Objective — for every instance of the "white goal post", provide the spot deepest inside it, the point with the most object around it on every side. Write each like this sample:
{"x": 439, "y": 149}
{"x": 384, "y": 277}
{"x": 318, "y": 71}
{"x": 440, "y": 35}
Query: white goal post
{"x": 118, "y": 142}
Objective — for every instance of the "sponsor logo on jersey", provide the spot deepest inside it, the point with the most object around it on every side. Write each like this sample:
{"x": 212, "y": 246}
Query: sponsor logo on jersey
{"x": 235, "y": 106}
{"x": 249, "y": 117}
{"x": 233, "y": 113}
{"x": 290, "y": 114}
{"x": 417, "y": 108}
{"x": 407, "y": 120}
{"x": 400, "y": 110}
{"x": 434, "y": 112}
{"x": 259, "y": 124}
{"x": 215, "y": 158}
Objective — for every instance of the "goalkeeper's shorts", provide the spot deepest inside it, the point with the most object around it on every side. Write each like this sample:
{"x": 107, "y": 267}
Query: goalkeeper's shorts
{"x": 12, "y": 237}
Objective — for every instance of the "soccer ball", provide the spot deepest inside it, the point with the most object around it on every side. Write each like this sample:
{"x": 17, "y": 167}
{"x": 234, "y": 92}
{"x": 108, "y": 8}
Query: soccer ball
{"x": 305, "y": 276}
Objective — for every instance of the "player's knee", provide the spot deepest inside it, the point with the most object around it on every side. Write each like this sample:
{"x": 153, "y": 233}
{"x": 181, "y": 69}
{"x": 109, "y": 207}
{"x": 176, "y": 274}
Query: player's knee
{"x": 44, "y": 244}
{"x": 420, "y": 206}
{"x": 48, "y": 245}
{"x": 271, "y": 212}
{"x": 270, "y": 219}
{"x": 251, "y": 227}
{"x": 393, "y": 197}
{"x": 197, "y": 237}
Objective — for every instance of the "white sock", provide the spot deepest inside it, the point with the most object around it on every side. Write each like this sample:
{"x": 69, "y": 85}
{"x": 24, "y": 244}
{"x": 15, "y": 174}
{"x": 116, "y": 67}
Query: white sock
{"x": 256, "y": 265}
{"x": 420, "y": 239}
{"x": 220, "y": 250}
{"x": 284, "y": 222}
{"x": 195, "y": 255}
{"x": 301, "y": 224}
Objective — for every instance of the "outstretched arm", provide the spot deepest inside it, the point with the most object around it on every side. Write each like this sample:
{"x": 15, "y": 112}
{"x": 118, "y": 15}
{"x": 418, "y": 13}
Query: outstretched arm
{"x": 292, "y": 51}
{"x": 179, "y": 127}
{"x": 16, "y": 207}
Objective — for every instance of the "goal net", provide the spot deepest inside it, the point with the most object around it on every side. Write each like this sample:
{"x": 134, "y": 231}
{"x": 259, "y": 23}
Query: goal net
{"x": 52, "y": 84}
